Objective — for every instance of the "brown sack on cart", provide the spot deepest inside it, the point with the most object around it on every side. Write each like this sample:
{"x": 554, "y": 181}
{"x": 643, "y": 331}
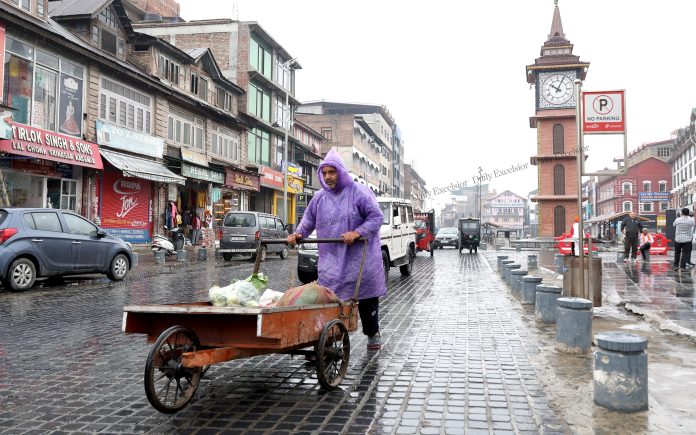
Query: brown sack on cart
{"x": 308, "y": 294}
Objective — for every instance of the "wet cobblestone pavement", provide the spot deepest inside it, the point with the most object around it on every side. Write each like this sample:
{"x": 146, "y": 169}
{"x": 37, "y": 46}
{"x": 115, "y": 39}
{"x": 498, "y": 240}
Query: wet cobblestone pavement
{"x": 454, "y": 361}
{"x": 460, "y": 355}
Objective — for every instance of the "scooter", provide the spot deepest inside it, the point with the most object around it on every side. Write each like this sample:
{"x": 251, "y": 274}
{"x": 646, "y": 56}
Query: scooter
{"x": 175, "y": 242}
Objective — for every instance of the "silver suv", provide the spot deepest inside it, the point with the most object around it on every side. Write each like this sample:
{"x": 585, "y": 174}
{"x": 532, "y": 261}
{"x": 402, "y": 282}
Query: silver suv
{"x": 242, "y": 230}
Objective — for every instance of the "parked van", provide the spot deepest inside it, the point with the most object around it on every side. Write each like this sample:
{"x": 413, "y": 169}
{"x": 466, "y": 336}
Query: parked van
{"x": 242, "y": 230}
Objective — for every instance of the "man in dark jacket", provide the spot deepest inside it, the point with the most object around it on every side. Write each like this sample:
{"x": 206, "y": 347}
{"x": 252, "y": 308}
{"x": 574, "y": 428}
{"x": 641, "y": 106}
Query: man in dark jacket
{"x": 631, "y": 228}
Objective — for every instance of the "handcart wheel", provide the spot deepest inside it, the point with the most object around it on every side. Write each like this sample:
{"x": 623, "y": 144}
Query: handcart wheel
{"x": 169, "y": 386}
{"x": 333, "y": 354}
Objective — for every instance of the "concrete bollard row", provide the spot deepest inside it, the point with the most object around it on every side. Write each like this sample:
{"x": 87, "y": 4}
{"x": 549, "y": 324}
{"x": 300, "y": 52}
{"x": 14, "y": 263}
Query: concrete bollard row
{"x": 181, "y": 255}
{"x": 202, "y": 254}
{"x": 621, "y": 371}
{"x": 500, "y": 260}
{"x": 545, "y": 306}
{"x": 574, "y": 325}
{"x": 558, "y": 263}
{"x": 516, "y": 281}
{"x": 159, "y": 257}
{"x": 532, "y": 262}
{"x": 508, "y": 268}
{"x": 528, "y": 292}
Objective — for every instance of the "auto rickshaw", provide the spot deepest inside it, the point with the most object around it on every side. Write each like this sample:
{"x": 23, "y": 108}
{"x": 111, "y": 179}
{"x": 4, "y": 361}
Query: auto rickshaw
{"x": 425, "y": 231}
{"x": 469, "y": 234}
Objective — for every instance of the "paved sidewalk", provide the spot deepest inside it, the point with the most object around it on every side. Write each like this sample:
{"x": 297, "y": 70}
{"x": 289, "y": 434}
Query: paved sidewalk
{"x": 568, "y": 379}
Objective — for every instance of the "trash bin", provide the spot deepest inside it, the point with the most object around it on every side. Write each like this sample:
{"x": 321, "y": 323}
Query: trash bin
{"x": 593, "y": 279}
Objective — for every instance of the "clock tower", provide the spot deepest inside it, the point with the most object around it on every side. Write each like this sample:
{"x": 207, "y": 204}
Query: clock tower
{"x": 553, "y": 75}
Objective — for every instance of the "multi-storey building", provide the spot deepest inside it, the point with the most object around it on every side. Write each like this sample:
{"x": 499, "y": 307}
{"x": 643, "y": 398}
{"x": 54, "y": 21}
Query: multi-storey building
{"x": 253, "y": 59}
{"x": 506, "y": 209}
{"x": 134, "y": 122}
{"x": 644, "y": 188}
{"x": 683, "y": 167}
{"x": 414, "y": 188}
{"x": 361, "y": 133}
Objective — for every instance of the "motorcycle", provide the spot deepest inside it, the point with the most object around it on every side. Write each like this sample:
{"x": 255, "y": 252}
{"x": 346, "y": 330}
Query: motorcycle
{"x": 174, "y": 242}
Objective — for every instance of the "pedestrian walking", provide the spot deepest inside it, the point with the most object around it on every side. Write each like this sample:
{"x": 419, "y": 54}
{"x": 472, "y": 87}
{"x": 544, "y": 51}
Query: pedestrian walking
{"x": 575, "y": 236}
{"x": 195, "y": 229}
{"x": 631, "y": 228}
{"x": 349, "y": 210}
{"x": 683, "y": 234}
{"x": 646, "y": 240}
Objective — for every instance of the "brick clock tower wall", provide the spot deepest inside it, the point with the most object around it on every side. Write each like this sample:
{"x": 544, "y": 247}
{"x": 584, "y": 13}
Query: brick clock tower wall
{"x": 553, "y": 74}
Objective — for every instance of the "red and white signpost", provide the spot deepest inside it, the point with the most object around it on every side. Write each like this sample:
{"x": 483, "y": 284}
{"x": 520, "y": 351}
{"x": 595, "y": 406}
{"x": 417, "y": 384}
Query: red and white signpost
{"x": 603, "y": 112}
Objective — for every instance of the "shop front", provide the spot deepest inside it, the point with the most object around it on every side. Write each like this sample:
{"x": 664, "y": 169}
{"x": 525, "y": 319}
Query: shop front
{"x": 202, "y": 189}
{"x": 271, "y": 181}
{"x": 132, "y": 187}
{"x": 41, "y": 168}
{"x": 236, "y": 193}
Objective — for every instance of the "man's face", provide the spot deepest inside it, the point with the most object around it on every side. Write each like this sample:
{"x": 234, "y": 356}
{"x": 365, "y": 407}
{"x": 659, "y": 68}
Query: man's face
{"x": 330, "y": 176}
{"x": 632, "y": 215}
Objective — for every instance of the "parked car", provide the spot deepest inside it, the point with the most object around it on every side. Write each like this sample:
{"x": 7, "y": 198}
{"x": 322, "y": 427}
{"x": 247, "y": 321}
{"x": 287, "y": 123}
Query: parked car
{"x": 398, "y": 235}
{"x": 242, "y": 230}
{"x": 40, "y": 242}
{"x": 308, "y": 261}
{"x": 447, "y": 236}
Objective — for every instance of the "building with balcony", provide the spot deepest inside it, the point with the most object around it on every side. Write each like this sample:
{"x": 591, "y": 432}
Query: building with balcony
{"x": 415, "y": 189}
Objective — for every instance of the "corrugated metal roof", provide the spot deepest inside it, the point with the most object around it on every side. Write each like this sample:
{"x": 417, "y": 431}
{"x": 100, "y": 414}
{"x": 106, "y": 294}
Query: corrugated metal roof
{"x": 67, "y": 8}
{"x": 195, "y": 52}
{"x": 132, "y": 166}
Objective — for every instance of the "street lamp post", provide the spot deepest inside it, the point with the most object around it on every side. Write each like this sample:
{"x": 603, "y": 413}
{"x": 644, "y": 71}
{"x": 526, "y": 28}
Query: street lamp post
{"x": 287, "y": 67}
{"x": 480, "y": 204}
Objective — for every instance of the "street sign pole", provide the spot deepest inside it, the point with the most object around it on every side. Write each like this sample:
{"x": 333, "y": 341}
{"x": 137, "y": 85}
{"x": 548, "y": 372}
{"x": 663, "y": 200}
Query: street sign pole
{"x": 580, "y": 156}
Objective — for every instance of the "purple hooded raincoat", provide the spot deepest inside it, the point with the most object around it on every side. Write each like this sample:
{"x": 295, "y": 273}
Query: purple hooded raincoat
{"x": 350, "y": 206}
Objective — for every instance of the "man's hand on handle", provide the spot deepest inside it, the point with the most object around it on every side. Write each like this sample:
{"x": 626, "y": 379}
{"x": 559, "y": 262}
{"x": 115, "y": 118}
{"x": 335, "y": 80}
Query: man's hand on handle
{"x": 350, "y": 237}
{"x": 294, "y": 238}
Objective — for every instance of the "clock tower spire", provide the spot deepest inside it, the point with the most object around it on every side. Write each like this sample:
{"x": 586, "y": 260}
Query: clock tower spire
{"x": 553, "y": 75}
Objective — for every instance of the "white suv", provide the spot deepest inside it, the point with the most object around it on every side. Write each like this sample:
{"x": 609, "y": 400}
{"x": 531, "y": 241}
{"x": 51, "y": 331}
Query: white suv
{"x": 398, "y": 234}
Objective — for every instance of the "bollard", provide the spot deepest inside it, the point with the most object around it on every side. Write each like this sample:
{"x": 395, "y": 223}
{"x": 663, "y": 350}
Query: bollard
{"x": 529, "y": 285}
{"x": 545, "y": 305}
{"x": 508, "y": 268}
{"x": 516, "y": 281}
{"x": 202, "y": 254}
{"x": 159, "y": 257}
{"x": 504, "y": 263}
{"x": 181, "y": 255}
{"x": 558, "y": 263}
{"x": 574, "y": 325}
{"x": 621, "y": 371}
{"x": 531, "y": 262}
{"x": 500, "y": 259}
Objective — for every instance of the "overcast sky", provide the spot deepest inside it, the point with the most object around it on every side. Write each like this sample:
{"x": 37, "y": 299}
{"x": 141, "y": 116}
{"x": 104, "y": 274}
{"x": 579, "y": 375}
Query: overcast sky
{"x": 453, "y": 72}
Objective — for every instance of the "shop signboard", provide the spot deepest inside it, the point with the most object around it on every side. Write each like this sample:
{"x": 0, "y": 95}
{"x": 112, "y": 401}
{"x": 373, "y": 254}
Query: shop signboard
{"x": 193, "y": 157}
{"x": 295, "y": 185}
{"x": 653, "y": 196}
{"x": 48, "y": 145}
{"x": 241, "y": 180}
{"x": 271, "y": 178}
{"x": 125, "y": 207}
{"x": 133, "y": 141}
{"x": 70, "y": 111}
{"x": 202, "y": 173}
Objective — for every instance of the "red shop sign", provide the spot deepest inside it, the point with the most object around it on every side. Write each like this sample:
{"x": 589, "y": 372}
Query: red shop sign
{"x": 126, "y": 206}
{"x": 271, "y": 178}
{"x": 48, "y": 145}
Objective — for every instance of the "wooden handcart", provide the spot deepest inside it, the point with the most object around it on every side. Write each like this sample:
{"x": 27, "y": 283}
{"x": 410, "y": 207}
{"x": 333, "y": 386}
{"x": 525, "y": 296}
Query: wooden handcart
{"x": 191, "y": 336}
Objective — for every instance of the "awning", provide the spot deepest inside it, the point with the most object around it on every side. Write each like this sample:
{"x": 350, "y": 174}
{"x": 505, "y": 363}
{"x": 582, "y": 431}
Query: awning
{"x": 612, "y": 217}
{"x": 141, "y": 168}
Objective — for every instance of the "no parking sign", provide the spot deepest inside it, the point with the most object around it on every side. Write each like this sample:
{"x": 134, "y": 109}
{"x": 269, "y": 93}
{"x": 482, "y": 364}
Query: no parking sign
{"x": 603, "y": 112}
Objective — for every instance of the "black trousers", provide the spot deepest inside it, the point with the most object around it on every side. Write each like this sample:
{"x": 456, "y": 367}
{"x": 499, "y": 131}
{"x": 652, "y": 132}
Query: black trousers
{"x": 631, "y": 246}
{"x": 645, "y": 247}
{"x": 369, "y": 315}
{"x": 682, "y": 252}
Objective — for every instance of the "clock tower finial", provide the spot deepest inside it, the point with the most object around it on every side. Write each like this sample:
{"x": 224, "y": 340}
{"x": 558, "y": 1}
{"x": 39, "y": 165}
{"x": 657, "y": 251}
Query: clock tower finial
{"x": 556, "y": 25}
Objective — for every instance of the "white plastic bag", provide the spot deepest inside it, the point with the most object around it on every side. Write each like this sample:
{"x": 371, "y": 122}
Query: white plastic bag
{"x": 269, "y": 298}
{"x": 240, "y": 293}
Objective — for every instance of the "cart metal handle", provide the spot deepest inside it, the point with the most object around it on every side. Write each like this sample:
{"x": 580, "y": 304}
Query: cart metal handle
{"x": 263, "y": 242}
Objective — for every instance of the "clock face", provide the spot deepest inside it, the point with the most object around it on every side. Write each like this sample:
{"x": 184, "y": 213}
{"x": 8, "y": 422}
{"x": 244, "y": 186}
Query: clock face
{"x": 557, "y": 90}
